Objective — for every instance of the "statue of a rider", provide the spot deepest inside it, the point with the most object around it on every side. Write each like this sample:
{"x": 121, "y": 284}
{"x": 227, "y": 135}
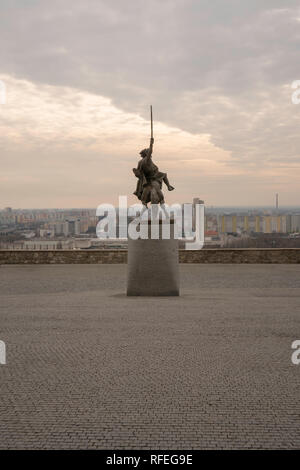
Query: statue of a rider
{"x": 150, "y": 179}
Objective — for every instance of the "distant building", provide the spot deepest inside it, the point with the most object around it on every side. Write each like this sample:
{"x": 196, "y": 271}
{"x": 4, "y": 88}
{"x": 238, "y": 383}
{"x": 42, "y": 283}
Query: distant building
{"x": 295, "y": 223}
{"x": 71, "y": 227}
{"x": 235, "y": 223}
{"x": 40, "y": 245}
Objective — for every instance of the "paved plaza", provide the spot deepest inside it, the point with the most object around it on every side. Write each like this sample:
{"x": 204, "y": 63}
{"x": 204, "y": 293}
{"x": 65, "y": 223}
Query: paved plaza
{"x": 89, "y": 368}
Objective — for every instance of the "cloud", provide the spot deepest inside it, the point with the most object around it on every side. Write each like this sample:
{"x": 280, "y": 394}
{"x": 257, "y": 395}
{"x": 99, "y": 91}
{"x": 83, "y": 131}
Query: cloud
{"x": 218, "y": 70}
{"x": 63, "y": 145}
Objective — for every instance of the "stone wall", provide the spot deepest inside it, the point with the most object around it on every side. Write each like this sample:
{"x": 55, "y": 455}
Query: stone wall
{"x": 224, "y": 255}
{"x": 242, "y": 255}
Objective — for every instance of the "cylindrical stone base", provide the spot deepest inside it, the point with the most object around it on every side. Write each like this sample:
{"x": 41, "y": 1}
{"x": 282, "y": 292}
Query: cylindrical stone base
{"x": 153, "y": 268}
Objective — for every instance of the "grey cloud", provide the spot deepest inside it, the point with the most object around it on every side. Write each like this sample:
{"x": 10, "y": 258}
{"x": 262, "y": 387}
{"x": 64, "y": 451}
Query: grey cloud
{"x": 214, "y": 67}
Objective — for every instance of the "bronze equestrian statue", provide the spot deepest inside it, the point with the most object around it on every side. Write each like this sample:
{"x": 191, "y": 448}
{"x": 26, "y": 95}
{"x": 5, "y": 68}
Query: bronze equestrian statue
{"x": 150, "y": 179}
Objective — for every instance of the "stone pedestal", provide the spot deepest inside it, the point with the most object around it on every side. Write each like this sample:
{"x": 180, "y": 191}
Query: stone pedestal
{"x": 153, "y": 264}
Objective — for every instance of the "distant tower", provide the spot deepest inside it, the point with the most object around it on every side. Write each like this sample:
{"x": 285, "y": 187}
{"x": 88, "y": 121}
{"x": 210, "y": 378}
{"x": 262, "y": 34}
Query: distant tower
{"x": 196, "y": 200}
{"x": 277, "y": 205}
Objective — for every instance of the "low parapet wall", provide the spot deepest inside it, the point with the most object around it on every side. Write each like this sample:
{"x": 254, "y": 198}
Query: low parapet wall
{"x": 224, "y": 255}
{"x": 242, "y": 255}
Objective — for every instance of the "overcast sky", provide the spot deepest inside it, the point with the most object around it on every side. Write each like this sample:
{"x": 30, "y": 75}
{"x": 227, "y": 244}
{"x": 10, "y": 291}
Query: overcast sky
{"x": 80, "y": 75}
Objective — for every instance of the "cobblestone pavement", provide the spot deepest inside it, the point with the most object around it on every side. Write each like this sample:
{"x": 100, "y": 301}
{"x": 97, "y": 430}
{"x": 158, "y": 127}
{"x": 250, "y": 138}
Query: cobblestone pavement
{"x": 88, "y": 367}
